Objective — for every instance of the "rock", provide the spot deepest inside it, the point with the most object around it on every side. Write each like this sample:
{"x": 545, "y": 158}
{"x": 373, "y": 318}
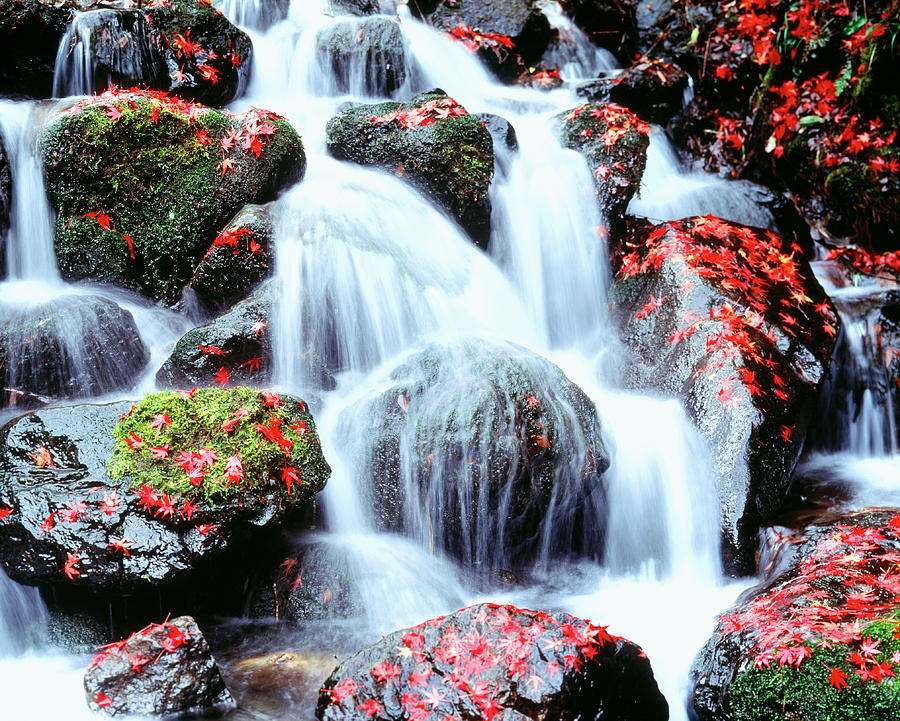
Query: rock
{"x": 30, "y": 33}
{"x": 431, "y": 141}
{"x": 240, "y": 258}
{"x": 355, "y": 7}
{"x": 68, "y": 478}
{"x": 610, "y": 24}
{"x": 501, "y": 130}
{"x": 818, "y": 638}
{"x": 239, "y": 341}
{"x": 731, "y": 320}
{"x": 256, "y": 14}
{"x": 362, "y": 57}
{"x": 164, "y": 669}
{"x": 72, "y": 346}
{"x": 651, "y": 89}
{"x": 75, "y": 633}
{"x": 490, "y": 661}
{"x": 508, "y": 35}
{"x": 614, "y": 142}
{"x": 527, "y": 438}
{"x": 5, "y": 203}
{"x": 141, "y": 188}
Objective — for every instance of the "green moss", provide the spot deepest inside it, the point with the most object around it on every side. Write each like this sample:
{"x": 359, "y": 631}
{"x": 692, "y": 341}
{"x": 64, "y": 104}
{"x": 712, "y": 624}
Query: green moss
{"x": 196, "y": 424}
{"x": 776, "y": 694}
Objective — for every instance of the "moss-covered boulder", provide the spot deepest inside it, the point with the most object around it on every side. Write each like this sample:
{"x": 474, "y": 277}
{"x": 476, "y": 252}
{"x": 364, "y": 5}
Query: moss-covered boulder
{"x": 178, "y": 485}
{"x": 433, "y": 142}
{"x": 30, "y": 33}
{"x": 652, "y": 89}
{"x": 489, "y": 661}
{"x": 73, "y": 346}
{"x": 731, "y": 320}
{"x": 365, "y": 57}
{"x": 143, "y": 182}
{"x": 482, "y": 449}
{"x": 614, "y": 142}
{"x": 819, "y": 641}
{"x": 239, "y": 260}
{"x": 233, "y": 349}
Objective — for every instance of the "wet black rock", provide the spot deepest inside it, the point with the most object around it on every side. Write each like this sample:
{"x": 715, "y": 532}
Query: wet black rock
{"x": 239, "y": 260}
{"x": 432, "y": 142}
{"x": 69, "y": 347}
{"x": 527, "y": 439}
{"x": 490, "y": 661}
{"x": 30, "y": 33}
{"x": 362, "y": 57}
{"x": 163, "y": 670}
{"x": 501, "y": 130}
{"x": 239, "y": 341}
{"x": 610, "y": 24}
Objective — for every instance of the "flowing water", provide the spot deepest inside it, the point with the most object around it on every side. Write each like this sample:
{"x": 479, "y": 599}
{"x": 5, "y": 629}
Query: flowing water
{"x": 370, "y": 274}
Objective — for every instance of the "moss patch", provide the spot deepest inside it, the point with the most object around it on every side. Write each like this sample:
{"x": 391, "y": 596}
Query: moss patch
{"x": 183, "y": 445}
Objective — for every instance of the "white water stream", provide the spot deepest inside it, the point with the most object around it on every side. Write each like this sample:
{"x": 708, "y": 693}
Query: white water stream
{"x": 369, "y": 271}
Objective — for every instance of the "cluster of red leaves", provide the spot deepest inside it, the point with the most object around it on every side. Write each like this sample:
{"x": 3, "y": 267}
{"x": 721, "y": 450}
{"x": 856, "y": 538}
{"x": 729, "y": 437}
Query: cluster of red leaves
{"x": 424, "y": 114}
{"x": 752, "y": 268}
{"x": 618, "y": 120}
{"x": 501, "y": 45}
{"x": 542, "y": 77}
{"x": 851, "y": 578}
{"x": 527, "y": 645}
{"x": 869, "y": 263}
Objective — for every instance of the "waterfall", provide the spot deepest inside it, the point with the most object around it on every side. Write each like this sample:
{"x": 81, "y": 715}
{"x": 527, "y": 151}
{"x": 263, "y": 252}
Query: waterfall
{"x": 21, "y": 611}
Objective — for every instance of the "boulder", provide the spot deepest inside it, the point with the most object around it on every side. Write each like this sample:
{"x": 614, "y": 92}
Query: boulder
{"x": 818, "y": 638}
{"x": 165, "y": 669}
{"x": 651, "y": 89}
{"x": 72, "y": 346}
{"x": 365, "y": 57}
{"x": 240, "y": 259}
{"x": 184, "y": 47}
{"x": 239, "y": 341}
{"x": 614, "y": 142}
{"x": 433, "y": 142}
{"x": 142, "y": 183}
{"x": 495, "y": 469}
{"x": 508, "y": 35}
{"x": 731, "y": 320}
{"x": 490, "y": 661}
{"x": 89, "y": 505}
{"x": 610, "y": 24}
{"x": 30, "y": 33}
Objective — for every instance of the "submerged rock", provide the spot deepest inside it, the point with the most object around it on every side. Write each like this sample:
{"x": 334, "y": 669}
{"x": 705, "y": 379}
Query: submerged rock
{"x": 73, "y": 346}
{"x": 818, "y": 638}
{"x": 239, "y": 342}
{"x": 614, "y": 142}
{"x": 434, "y": 143}
{"x": 731, "y": 320}
{"x": 164, "y": 669}
{"x": 30, "y": 33}
{"x": 362, "y": 57}
{"x": 489, "y": 661}
{"x": 123, "y": 497}
{"x": 142, "y": 183}
{"x": 484, "y": 450}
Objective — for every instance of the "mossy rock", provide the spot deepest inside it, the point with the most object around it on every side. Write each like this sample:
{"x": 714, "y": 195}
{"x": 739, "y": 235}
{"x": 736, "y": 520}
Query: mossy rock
{"x": 450, "y": 159}
{"x": 239, "y": 260}
{"x": 816, "y": 642}
{"x": 30, "y": 33}
{"x": 148, "y": 168}
{"x": 614, "y": 142}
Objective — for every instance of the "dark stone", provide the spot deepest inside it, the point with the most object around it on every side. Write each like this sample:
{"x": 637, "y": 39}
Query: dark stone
{"x": 152, "y": 175}
{"x": 78, "y": 441}
{"x": 30, "y": 33}
{"x": 175, "y": 674}
{"x": 355, "y": 7}
{"x": 614, "y": 142}
{"x": 363, "y": 57}
{"x": 816, "y": 601}
{"x": 490, "y": 661}
{"x": 501, "y": 130}
{"x": 528, "y": 441}
{"x": 242, "y": 334}
{"x": 450, "y": 160}
{"x": 69, "y": 347}
{"x": 731, "y": 320}
{"x": 610, "y": 24}
{"x": 240, "y": 258}
{"x": 651, "y": 89}
{"x": 5, "y": 203}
